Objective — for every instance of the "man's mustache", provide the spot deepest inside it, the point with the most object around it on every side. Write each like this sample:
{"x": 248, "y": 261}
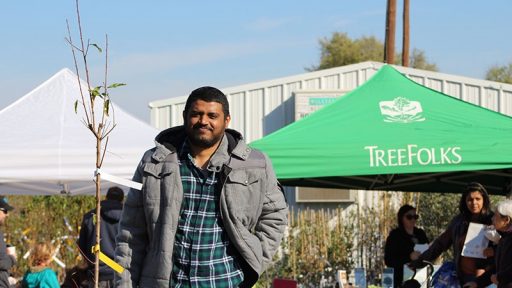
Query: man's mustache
{"x": 199, "y": 126}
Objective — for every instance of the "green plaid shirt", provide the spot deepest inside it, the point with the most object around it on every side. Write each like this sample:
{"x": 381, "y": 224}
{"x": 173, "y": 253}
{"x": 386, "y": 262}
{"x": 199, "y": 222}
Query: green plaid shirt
{"x": 203, "y": 255}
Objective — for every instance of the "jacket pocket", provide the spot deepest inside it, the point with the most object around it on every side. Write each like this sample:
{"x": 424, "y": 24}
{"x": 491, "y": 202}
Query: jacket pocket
{"x": 154, "y": 176}
{"x": 244, "y": 193}
{"x": 158, "y": 170}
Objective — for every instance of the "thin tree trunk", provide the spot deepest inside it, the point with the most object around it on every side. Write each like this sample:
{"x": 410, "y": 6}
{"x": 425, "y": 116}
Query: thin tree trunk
{"x": 389, "y": 45}
{"x": 98, "y": 217}
{"x": 405, "y": 35}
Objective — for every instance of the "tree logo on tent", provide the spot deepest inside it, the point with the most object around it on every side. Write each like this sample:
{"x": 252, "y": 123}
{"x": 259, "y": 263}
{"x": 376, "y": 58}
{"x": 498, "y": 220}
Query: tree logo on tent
{"x": 401, "y": 110}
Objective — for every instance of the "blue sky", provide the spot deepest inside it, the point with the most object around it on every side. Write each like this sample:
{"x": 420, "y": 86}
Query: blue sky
{"x": 163, "y": 49}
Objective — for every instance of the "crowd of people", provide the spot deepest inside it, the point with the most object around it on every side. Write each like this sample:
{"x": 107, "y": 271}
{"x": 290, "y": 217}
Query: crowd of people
{"x": 211, "y": 213}
{"x": 471, "y": 272}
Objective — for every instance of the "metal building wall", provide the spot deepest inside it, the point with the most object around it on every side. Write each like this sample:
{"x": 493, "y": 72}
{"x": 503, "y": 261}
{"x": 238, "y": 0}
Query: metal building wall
{"x": 260, "y": 108}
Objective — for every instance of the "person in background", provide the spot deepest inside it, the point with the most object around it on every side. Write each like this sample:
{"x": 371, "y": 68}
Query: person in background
{"x": 7, "y": 256}
{"x": 474, "y": 206}
{"x": 39, "y": 273}
{"x": 211, "y": 212}
{"x": 399, "y": 247}
{"x": 501, "y": 274}
{"x": 77, "y": 276}
{"x": 111, "y": 209}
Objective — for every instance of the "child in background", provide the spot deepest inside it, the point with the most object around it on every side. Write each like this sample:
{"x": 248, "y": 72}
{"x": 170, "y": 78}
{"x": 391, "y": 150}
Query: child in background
{"x": 39, "y": 274}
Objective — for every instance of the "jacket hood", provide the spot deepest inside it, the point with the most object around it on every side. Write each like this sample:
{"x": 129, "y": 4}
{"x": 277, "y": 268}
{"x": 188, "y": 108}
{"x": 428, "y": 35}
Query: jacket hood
{"x": 172, "y": 138}
{"x": 111, "y": 210}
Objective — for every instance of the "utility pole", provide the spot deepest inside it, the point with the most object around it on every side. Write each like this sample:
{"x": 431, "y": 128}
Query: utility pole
{"x": 405, "y": 35}
{"x": 389, "y": 44}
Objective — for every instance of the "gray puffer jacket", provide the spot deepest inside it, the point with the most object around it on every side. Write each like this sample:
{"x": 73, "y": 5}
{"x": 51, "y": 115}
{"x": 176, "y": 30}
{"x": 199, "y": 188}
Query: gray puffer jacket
{"x": 252, "y": 204}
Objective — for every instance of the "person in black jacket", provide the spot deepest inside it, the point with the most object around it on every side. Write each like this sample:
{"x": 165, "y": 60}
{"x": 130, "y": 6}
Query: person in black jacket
{"x": 7, "y": 257}
{"x": 111, "y": 210}
{"x": 399, "y": 248}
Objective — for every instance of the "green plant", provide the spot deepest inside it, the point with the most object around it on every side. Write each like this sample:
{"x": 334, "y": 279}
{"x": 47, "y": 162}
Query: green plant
{"x": 46, "y": 218}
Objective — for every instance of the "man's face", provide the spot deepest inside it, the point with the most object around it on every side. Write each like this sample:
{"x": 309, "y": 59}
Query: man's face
{"x": 205, "y": 123}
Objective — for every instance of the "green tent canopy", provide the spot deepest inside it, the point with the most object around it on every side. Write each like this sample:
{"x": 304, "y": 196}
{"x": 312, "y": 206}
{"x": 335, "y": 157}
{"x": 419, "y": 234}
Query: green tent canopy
{"x": 394, "y": 134}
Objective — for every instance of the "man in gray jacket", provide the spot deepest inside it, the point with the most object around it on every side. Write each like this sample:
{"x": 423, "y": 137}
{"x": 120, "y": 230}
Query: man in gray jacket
{"x": 210, "y": 213}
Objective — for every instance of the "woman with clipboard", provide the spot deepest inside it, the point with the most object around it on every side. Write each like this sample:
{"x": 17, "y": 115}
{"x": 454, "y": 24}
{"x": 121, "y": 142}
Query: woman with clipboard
{"x": 474, "y": 206}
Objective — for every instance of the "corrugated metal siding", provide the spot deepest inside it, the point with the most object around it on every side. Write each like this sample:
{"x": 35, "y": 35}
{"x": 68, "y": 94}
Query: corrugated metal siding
{"x": 489, "y": 99}
{"x": 237, "y": 110}
{"x": 472, "y": 94}
{"x": 417, "y": 79}
{"x": 331, "y": 82}
{"x": 453, "y": 89}
{"x": 435, "y": 84}
{"x": 258, "y": 109}
{"x": 506, "y": 100}
{"x": 350, "y": 80}
{"x": 254, "y": 129}
{"x": 312, "y": 84}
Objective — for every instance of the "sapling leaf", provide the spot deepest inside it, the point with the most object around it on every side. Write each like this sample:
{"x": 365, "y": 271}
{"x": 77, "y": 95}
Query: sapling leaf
{"x": 97, "y": 47}
{"x": 95, "y": 92}
{"x": 115, "y": 85}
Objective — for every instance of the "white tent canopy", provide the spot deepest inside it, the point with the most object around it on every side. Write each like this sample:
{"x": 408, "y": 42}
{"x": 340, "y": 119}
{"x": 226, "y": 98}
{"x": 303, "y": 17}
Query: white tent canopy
{"x": 45, "y": 149}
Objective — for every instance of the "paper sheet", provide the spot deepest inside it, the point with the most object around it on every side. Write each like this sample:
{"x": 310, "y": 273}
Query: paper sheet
{"x": 475, "y": 242}
{"x": 421, "y": 247}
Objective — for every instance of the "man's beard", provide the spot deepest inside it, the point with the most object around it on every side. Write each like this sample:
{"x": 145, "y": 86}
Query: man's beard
{"x": 196, "y": 140}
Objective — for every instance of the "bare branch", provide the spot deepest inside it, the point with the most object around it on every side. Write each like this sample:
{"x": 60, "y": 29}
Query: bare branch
{"x": 104, "y": 151}
{"x": 71, "y": 43}
{"x": 106, "y": 127}
{"x": 105, "y": 89}
{"x": 86, "y": 67}
{"x": 102, "y": 130}
{"x": 109, "y": 131}
{"x": 87, "y": 47}
{"x": 78, "y": 75}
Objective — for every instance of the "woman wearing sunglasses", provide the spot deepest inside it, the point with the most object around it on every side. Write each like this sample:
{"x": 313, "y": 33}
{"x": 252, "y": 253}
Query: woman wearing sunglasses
{"x": 399, "y": 248}
{"x": 474, "y": 206}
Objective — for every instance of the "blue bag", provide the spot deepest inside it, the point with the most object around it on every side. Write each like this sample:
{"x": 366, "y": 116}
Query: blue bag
{"x": 446, "y": 276}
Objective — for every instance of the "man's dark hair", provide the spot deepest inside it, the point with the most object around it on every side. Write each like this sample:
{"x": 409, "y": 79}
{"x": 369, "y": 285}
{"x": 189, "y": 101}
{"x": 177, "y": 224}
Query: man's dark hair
{"x": 115, "y": 193}
{"x": 208, "y": 94}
